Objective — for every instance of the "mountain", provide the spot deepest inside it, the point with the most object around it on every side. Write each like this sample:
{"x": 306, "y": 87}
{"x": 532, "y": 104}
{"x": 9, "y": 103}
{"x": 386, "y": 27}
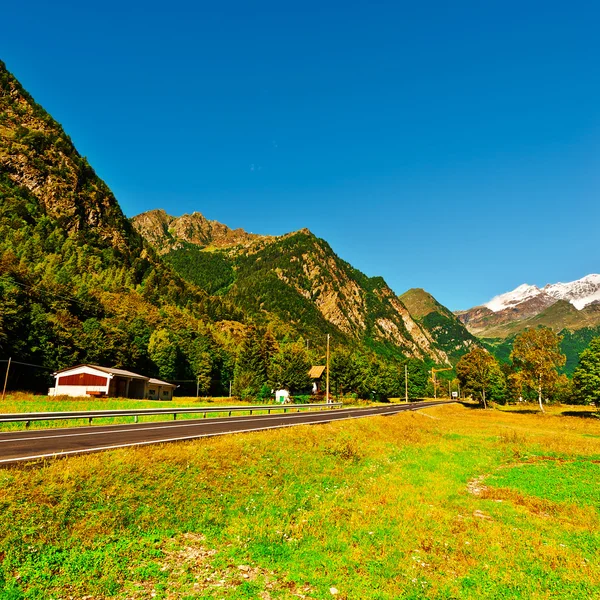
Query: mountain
{"x": 167, "y": 233}
{"x": 77, "y": 282}
{"x": 173, "y": 297}
{"x": 298, "y": 280}
{"x": 447, "y": 330}
{"x": 580, "y": 293}
{"x": 559, "y": 306}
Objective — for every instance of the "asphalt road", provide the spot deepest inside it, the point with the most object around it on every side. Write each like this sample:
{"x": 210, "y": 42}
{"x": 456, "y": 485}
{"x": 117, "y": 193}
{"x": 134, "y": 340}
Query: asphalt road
{"x": 22, "y": 446}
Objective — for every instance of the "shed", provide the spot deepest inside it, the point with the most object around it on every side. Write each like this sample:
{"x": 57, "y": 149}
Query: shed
{"x": 316, "y": 374}
{"x": 93, "y": 380}
{"x": 282, "y": 396}
{"x": 160, "y": 390}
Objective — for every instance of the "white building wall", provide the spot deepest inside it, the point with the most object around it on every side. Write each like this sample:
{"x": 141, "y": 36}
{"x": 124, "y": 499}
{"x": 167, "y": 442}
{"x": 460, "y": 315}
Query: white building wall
{"x": 76, "y": 390}
{"x": 80, "y": 390}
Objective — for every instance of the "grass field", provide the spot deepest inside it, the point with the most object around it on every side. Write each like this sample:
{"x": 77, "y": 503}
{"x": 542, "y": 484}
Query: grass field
{"x": 450, "y": 502}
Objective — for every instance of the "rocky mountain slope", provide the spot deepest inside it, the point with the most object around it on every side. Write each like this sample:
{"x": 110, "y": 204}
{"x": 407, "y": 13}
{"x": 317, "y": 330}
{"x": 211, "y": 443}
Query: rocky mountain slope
{"x": 560, "y": 306}
{"x": 77, "y": 282}
{"x": 168, "y": 233}
{"x": 80, "y": 283}
{"x": 446, "y": 329}
{"x": 300, "y": 280}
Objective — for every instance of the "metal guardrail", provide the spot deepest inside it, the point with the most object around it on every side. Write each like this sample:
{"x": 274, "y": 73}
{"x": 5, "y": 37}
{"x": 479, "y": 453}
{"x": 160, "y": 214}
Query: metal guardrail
{"x": 28, "y": 418}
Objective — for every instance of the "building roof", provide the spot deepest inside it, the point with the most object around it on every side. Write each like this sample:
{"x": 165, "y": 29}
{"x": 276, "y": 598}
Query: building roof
{"x": 160, "y": 382}
{"x": 110, "y": 370}
{"x": 316, "y": 372}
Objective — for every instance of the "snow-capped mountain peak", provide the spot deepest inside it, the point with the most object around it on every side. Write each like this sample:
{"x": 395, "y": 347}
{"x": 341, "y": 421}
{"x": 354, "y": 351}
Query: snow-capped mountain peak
{"x": 511, "y": 299}
{"x": 579, "y": 293}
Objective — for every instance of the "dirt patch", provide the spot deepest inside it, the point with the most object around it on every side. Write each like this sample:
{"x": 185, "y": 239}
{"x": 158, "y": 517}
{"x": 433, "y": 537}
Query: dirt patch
{"x": 476, "y": 486}
{"x": 191, "y": 570}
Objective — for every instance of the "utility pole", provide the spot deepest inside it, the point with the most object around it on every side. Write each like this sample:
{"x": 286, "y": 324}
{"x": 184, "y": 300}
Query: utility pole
{"x": 6, "y": 378}
{"x": 449, "y": 394}
{"x": 230, "y": 389}
{"x": 198, "y": 386}
{"x": 327, "y": 378}
{"x": 406, "y": 383}
{"x": 433, "y": 372}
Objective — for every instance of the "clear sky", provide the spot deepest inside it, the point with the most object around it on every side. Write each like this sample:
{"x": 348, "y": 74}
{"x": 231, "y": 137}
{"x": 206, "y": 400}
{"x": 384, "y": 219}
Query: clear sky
{"x": 453, "y": 146}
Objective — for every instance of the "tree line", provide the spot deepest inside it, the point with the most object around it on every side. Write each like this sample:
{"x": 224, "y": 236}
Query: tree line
{"x": 532, "y": 373}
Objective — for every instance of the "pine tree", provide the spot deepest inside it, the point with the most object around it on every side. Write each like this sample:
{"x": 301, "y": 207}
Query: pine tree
{"x": 250, "y": 367}
{"x": 289, "y": 368}
{"x": 586, "y": 378}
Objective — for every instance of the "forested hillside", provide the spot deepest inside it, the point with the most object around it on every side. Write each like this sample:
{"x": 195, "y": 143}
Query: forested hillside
{"x": 77, "y": 282}
{"x": 449, "y": 334}
{"x": 296, "y": 281}
{"x": 207, "y": 306}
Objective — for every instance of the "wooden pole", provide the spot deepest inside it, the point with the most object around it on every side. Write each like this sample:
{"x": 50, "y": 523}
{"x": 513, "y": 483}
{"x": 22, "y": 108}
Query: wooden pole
{"x": 6, "y": 378}
{"x": 327, "y": 378}
{"x": 406, "y": 383}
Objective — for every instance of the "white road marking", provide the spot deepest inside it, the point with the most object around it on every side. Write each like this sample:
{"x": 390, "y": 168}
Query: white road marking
{"x": 164, "y": 441}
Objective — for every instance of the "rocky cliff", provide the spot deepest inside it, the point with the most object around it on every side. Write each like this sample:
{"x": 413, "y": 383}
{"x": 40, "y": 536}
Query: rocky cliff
{"x": 297, "y": 278}
{"x": 167, "y": 233}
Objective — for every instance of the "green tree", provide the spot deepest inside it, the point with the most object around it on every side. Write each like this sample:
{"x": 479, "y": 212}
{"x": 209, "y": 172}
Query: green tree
{"x": 586, "y": 378}
{"x": 419, "y": 380}
{"x": 349, "y": 372}
{"x": 480, "y": 375}
{"x": 250, "y": 368}
{"x": 288, "y": 368}
{"x": 201, "y": 364}
{"x": 164, "y": 353}
{"x": 536, "y": 357}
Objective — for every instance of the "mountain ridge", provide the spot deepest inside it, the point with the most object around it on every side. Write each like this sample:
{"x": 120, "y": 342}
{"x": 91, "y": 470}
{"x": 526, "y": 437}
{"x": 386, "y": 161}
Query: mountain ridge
{"x": 303, "y": 271}
{"x": 80, "y": 283}
{"x": 166, "y": 233}
{"x": 529, "y": 305}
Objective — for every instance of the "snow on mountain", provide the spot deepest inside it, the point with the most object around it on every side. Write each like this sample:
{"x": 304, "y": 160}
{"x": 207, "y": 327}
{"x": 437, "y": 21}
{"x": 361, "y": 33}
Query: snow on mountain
{"x": 511, "y": 299}
{"x": 579, "y": 293}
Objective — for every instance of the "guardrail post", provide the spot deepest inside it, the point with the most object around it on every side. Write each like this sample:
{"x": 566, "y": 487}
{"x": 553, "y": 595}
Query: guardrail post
{"x": 27, "y": 423}
{"x": 90, "y": 420}
{"x": 135, "y": 419}
{"x": 174, "y": 416}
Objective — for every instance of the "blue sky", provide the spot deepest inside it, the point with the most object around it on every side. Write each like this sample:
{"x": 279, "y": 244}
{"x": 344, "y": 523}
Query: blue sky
{"x": 453, "y": 146}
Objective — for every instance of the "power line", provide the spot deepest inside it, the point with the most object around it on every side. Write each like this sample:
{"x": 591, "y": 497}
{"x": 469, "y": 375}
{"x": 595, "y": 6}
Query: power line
{"x": 16, "y": 362}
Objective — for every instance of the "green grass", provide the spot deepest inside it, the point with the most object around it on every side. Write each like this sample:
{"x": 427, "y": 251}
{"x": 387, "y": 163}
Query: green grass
{"x": 460, "y": 503}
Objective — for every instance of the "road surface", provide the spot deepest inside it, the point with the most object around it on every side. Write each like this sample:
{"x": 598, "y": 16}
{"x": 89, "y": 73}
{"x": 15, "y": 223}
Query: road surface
{"x": 23, "y": 446}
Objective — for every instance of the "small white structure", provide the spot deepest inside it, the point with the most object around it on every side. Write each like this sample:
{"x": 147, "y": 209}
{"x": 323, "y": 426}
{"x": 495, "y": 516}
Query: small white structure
{"x": 92, "y": 380}
{"x": 282, "y": 396}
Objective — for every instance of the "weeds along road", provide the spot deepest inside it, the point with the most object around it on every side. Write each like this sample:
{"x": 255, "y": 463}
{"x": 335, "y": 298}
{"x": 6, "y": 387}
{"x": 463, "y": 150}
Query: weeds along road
{"x": 22, "y": 446}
